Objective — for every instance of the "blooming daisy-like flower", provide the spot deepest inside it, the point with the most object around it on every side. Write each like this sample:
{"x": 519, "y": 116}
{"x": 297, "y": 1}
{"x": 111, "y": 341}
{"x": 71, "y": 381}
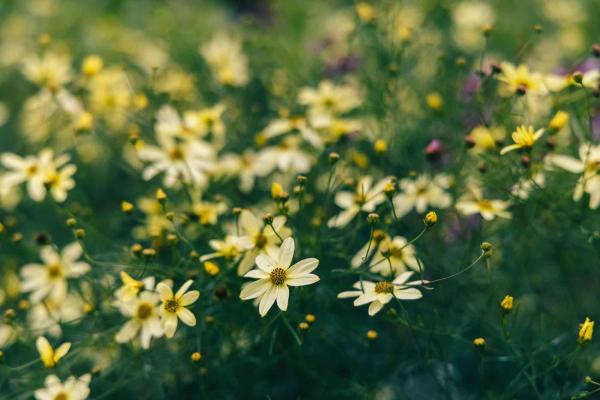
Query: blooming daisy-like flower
{"x": 144, "y": 320}
{"x": 72, "y": 389}
{"x": 274, "y": 275}
{"x": 380, "y": 293}
{"x": 263, "y": 237}
{"x": 401, "y": 257}
{"x": 49, "y": 280}
{"x": 51, "y": 70}
{"x": 329, "y": 99}
{"x": 520, "y": 80}
{"x": 474, "y": 203}
{"x": 524, "y": 138}
{"x": 285, "y": 157}
{"x": 48, "y": 355}
{"x": 225, "y": 57}
{"x": 365, "y": 198}
{"x": 186, "y": 161}
{"x": 131, "y": 287}
{"x": 174, "y": 306}
{"x": 230, "y": 248}
{"x": 422, "y": 193}
{"x": 587, "y": 166}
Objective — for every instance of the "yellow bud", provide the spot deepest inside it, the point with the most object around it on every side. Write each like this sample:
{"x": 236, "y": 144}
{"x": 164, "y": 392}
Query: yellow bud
{"x": 88, "y": 308}
{"x": 140, "y": 101}
{"x": 479, "y": 342}
{"x": 434, "y": 101}
{"x": 559, "y": 121}
{"x": 380, "y": 146}
{"x": 84, "y": 122}
{"x": 430, "y": 219}
{"x": 149, "y": 252}
{"x": 91, "y": 65}
{"x": 126, "y": 207}
{"x": 303, "y": 325}
{"x": 196, "y": 356}
{"x": 277, "y": 191}
{"x": 136, "y": 248}
{"x": 310, "y": 318}
{"x": 372, "y": 335}
{"x": 586, "y": 329}
{"x": 365, "y": 12}
{"x": 507, "y": 303}
{"x": 211, "y": 268}
{"x": 161, "y": 196}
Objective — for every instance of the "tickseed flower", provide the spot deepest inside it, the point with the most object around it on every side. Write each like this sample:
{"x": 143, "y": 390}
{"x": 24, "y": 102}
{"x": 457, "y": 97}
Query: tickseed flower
{"x": 365, "y": 198}
{"x": 430, "y": 219}
{"x": 174, "y": 306}
{"x": 586, "y": 329}
{"x": 507, "y": 303}
{"x": 474, "y": 203}
{"x": 587, "y": 166}
{"x": 72, "y": 389}
{"x": 394, "y": 256}
{"x": 92, "y": 65}
{"x": 49, "y": 280}
{"x": 275, "y": 275}
{"x": 144, "y": 319}
{"x": 519, "y": 80}
{"x": 263, "y": 237}
{"x": 48, "y": 355}
{"x": 230, "y": 248}
{"x": 131, "y": 287}
{"x": 226, "y": 59}
{"x": 559, "y": 121}
{"x": 434, "y": 101}
{"x": 524, "y": 138}
{"x": 380, "y": 293}
{"x": 422, "y": 193}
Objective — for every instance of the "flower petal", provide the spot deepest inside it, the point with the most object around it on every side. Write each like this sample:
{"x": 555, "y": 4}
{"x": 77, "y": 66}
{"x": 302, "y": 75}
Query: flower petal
{"x": 286, "y": 253}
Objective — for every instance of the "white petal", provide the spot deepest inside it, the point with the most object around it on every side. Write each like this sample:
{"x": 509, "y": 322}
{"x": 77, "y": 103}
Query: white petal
{"x": 302, "y": 280}
{"x": 283, "y": 294}
{"x": 286, "y": 253}
{"x": 254, "y": 289}
{"x": 303, "y": 267}
{"x": 186, "y": 316}
{"x": 265, "y": 263}
{"x": 267, "y": 300}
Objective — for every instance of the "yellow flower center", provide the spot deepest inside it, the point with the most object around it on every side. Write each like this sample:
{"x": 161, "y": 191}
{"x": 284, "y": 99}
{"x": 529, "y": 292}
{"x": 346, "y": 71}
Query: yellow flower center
{"x": 383, "y": 287}
{"x": 61, "y": 396}
{"x": 485, "y": 205}
{"x": 54, "y": 271}
{"x": 176, "y": 154}
{"x": 524, "y": 137}
{"x": 144, "y": 311}
{"x": 171, "y": 305}
{"x": 278, "y": 276}
{"x": 260, "y": 241}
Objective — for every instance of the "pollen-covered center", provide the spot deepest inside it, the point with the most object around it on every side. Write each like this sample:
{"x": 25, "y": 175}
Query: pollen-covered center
{"x": 144, "y": 311}
{"x": 61, "y": 396}
{"x": 171, "y": 305}
{"x": 485, "y": 205}
{"x": 260, "y": 241}
{"x": 383, "y": 287}
{"x": 176, "y": 153}
{"x": 278, "y": 276}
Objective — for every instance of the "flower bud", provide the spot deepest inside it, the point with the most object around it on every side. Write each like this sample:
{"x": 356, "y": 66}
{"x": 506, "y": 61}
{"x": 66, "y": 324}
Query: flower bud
{"x": 334, "y": 157}
{"x": 196, "y": 356}
{"x": 507, "y": 303}
{"x": 479, "y": 342}
{"x": 303, "y": 326}
{"x": 373, "y": 218}
{"x": 126, "y": 207}
{"x": 430, "y": 219}
{"x": 161, "y": 196}
{"x": 371, "y": 334}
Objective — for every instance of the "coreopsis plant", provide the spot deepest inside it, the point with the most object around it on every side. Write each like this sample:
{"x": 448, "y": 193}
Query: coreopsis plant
{"x": 190, "y": 192}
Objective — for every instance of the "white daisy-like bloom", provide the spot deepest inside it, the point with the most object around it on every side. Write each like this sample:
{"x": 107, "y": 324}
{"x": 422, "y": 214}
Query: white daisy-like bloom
{"x": 49, "y": 355}
{"x": 51, "y": 70}
{"x": 587, "y": 166}
{"x": 473, "y": 203}
{"x": 285, "y": 157}
{"x": 72, "y": 389}
{"x": 47, "y": 317}
{"x": 187, "y": 161}
{"x": 49, "y": 280}
{"x": 263, "y": 237}
{"x": 330, "y": 99}
{"x": 365, "y": 198}
{"x": 274, "y": 275}
{"x": 589, "y": 79}
{"x": 173, "y": 306}
{"x": 8, "y": 335}
{"x": 145, "y": 319}
{"x": 223, "y": 53}
{"x": 401, "y": 257}
{"x": 242, "y": 166}
{"x": 230, "y": 248}
{"x": 422, "y": 194}
{"x": 40, "y": 173}
{"x": 380, "y": 293}
{"x": 170, "y": 124}
{"x": 281, "y": 126}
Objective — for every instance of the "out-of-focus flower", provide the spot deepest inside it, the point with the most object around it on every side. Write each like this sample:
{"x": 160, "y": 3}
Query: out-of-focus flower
{"x": 48, "y": 355}
{"x": 474, "y": 203}
{"x": 285, "y": 157}
{"x": 422, "y": 193}
{"x": 586, "y": 329}
{"x": 224, "y": 55}
{"x": 275, "y": 275}
{"x": 174, "y": 306}
{"x": 589, "y": 79}
{"x": 380, "y": 293}
{"x": 144, "y": 319}
{"x": 524, "y": 138}
{"x": 72, "y": 389}
{"x": 50, "y": 279}
{"x": 329, "y": 99}
{"x": 230, "y": 248}
{"x": 264, "y": 238}
{"x": 559, "y": 120}
{"x": 365, "y": 198}
{"x": 483, "y": 138}
{"x": 520, "y": 80}
{"x": 51, "y": 70}
{"x": 394, "y": 256}
{"x": 131, "y": 287}
{"x": 470, "y": 18}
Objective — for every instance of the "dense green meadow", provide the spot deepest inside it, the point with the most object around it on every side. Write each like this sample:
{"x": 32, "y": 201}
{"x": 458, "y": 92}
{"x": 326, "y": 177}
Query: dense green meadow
{"x": 310, "y": 199}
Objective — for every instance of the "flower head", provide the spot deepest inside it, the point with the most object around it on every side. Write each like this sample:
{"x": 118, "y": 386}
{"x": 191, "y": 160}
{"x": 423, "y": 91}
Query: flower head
{"x": 174, "y": 306}
{"x": 48, "y": 355}
{"x": 72, "y": 389}
{"x": 586, "y": 329}
{"x": 524, "y": 138}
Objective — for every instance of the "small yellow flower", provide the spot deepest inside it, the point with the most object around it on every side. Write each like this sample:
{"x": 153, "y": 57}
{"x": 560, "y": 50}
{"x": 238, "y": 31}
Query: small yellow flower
{"x": 380, "y": 146}
{"x": 524, "y": 138}
{"x": 48, "y": 355}
{"x": 196, "y": 356}
{"x": 559, "y": 121}
{"x": 585, "y": 331}
{"x": 372, "y": 335}
{"x": 126, "y": 207}
{"x": 92, "y": 65}
{"x": 174, "y": 306}
{"x": 84, "y": 122}
{"x": 310, "y": 318}
{"x": 277, "y": 191}
{"x": 507, "y": 303}
{"x": 479, "y": 342}
{"x": 434, "y": 101}
{"x": 161, "y": 196}
{"x": 365, "y": 12}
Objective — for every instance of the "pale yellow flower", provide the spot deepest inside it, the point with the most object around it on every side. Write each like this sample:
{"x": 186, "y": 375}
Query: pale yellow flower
{"x": 174, "y": 308}
{"x": 72, "y": 389}
{"x": 524, "y": 138}
{"x": 48, "y": 355}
